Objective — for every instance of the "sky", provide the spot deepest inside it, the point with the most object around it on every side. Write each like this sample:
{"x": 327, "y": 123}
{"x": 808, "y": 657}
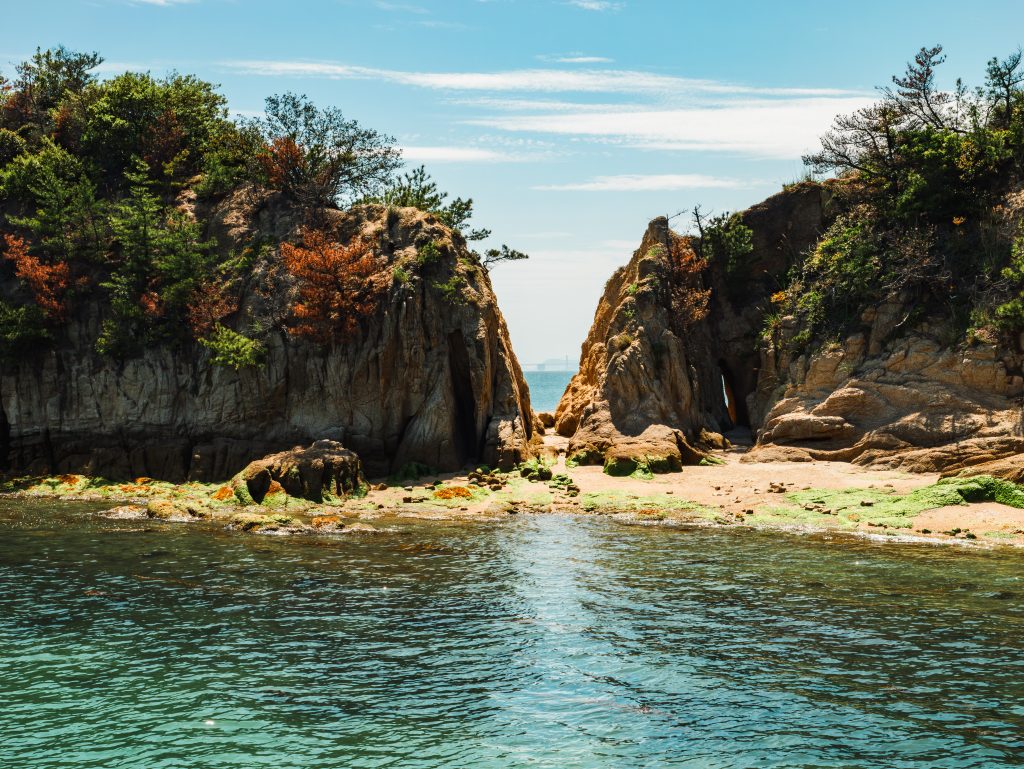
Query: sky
{"x": 570, "y": 123}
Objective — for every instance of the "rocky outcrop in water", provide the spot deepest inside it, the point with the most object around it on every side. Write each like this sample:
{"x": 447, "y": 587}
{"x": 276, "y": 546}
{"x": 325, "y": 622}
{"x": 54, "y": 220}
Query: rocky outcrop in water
{"x": 324, "y": 471}
{"x": 430, "y": 377}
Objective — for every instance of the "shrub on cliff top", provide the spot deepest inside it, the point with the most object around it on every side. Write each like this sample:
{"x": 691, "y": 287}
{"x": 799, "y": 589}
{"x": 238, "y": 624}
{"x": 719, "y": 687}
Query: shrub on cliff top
{"x": 339, "y": 285}
{"x": 317, "y": 156}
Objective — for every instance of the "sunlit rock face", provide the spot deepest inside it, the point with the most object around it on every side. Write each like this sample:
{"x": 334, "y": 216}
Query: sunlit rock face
{"x": 887, "y": 394}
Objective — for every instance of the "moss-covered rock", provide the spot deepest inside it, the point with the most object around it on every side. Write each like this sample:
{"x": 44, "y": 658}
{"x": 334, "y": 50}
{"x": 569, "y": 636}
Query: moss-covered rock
{"x": 321, "y": 472}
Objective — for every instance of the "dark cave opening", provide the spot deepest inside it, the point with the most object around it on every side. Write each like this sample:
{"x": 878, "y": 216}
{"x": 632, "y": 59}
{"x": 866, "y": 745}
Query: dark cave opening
{"x": 466, "y": 443}
{"x": 734, "y": 394}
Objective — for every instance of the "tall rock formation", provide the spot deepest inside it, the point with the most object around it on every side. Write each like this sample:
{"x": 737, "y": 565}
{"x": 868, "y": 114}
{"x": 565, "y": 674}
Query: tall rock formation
{"x": 430, "y": 377}
{"x": 892, "y": 393}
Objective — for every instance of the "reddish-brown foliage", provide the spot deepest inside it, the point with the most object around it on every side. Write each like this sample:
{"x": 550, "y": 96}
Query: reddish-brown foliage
{"x": 210, "y": 303}
{"x": 338, "y": 285}
{"x": 151, "y": 304}
{"x": 164, "y": 140}
{"x": 689, "y": 300}
{"x": 283, "y": 161}
{"x": 47, "y": 282}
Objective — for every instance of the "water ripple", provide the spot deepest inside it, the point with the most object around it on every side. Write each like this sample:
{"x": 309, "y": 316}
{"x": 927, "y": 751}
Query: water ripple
{"x": 543, "y": 642}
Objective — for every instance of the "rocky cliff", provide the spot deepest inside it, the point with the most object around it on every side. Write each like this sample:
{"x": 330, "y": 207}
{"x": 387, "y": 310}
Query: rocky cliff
{"x": 901, "y": 389}
{"x": 637, "y": 397}
{"x": 904, "y": 399}
{"x": 430, "y": 377}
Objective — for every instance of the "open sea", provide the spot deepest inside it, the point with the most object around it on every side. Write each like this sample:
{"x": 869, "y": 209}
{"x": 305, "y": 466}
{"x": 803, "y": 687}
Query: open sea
{"x": 546, "y": 388}
{"x": 540, "y": 641}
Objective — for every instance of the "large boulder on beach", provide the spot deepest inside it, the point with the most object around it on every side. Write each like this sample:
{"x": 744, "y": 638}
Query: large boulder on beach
{"x": 321, "y": 472}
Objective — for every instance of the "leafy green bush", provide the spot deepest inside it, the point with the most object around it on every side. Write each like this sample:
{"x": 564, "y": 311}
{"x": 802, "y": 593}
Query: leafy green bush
{"x": 453, "y": 290}
{"x": 11, "y": 145}
{"x": 428, "y": 253}
{"x": 234, "y": 350}
{"x": 725, "y": 239}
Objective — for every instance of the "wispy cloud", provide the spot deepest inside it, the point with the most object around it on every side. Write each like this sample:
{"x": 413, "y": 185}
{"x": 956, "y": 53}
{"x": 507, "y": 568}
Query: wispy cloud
{"x": 596, "y": 5}
{"x": 764, "y": 127}
{"x": 648, "y": 183}
{"x": 646, "y": 110}
{"x": 456, "y": 155}
{"x": 529, "y": 80}
{"x": 584, "y": 60}
{"x": 162, "y": 3}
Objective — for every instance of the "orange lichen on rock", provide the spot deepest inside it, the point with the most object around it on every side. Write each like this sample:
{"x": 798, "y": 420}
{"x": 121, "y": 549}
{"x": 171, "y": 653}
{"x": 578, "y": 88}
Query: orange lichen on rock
{"x": 326, "y": 521}
{"x": 453, "y": 492}
{"x": 223, "y": 493}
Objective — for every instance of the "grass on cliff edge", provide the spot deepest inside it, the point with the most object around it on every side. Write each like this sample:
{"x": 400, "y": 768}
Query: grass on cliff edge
{"x": 887, "y": 509}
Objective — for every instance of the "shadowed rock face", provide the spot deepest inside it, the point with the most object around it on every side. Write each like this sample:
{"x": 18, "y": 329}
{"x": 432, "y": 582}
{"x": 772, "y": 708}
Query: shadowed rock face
{"x": 887, "y": 395}
{"x": 426, "y": 379}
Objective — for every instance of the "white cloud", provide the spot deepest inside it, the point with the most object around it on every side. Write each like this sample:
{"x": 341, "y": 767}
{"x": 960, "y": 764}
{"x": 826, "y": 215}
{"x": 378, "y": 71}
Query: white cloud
{"x": 766, "y": 127}
{"x": 584, "y": 60}
{"x": 162, "y": 3}
{"x": 455, "y": 155}
{"x": 647, "y": 183}
{"x": 528, "y": 80}
{"x": 596, "y": 5}
{"x": 643, "y": 110}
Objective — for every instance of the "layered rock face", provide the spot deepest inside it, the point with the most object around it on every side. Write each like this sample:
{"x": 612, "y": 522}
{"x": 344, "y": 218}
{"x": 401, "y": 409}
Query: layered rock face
{"x": 430, "y": 377}
{"x": 895, "y": 394}
{"x": 902, "y": 401}
{"x": 652, "y": 389}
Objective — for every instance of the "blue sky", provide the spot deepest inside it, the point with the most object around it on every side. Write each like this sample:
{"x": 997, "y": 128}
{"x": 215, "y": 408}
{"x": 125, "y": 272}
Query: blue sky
{"x": 571, "y": 123}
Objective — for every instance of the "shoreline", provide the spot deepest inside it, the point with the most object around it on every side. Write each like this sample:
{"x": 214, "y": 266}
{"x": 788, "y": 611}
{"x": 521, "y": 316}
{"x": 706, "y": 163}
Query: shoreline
{"x": 815, "y": 498}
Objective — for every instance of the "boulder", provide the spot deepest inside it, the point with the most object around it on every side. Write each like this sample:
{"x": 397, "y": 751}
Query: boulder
{"x": 321, "y": 472}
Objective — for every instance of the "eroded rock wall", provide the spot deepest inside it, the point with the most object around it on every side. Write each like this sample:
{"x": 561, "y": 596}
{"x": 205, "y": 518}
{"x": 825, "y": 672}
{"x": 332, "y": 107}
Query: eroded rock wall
{"x": 651, "y": 388}
{"x": 910, "y": 401}
{"x": 899, "y": 393}
{"x": 429, "y": 378}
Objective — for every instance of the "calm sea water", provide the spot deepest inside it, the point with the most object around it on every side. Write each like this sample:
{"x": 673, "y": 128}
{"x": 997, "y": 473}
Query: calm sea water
{"x": 540, "y": 642}
{"x": 546, "y": 388}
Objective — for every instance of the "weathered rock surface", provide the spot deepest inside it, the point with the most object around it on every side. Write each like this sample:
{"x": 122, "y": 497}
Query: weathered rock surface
{"x": 648, "y": 389}
{"x": 905, "y": 402}
{"x": 636, "y": 395}
{"x": 323, "y": 471}
{"x": 890, "y": 396}
{"x": 431, "y": 378}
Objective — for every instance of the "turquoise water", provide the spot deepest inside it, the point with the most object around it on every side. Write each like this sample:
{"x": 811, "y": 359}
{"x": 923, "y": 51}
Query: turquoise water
{"x": 546, "y": 388}
{"x": 540, "y": 642}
